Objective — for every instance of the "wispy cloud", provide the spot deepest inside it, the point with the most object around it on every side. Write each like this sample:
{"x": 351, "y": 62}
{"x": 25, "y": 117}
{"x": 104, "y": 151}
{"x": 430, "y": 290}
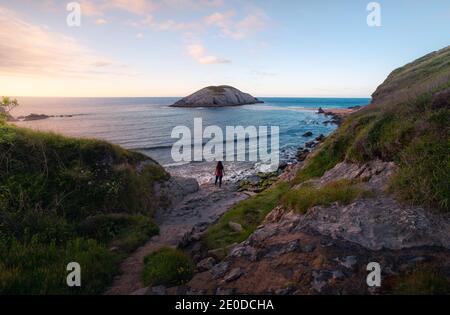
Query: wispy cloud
{"x": 33, "y": 50}
{"x": 236, "y": 28}
{"x": 198, "y": 53}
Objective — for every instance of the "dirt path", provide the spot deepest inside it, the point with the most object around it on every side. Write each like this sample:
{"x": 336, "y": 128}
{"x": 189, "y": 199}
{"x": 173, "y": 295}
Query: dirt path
{"x": 201, "y": 208}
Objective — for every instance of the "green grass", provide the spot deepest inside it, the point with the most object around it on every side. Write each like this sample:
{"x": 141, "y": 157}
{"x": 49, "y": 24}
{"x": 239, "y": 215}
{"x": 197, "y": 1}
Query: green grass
{"x": 249, "y": 213}
{"x": 64, "y": 200}
{"x": 306, "y": 197}
{"x": 167, "y": 266}
{"x": 40, "y": 268}
{"x": 407, "y": 123}
{"x": 423, "y": 280}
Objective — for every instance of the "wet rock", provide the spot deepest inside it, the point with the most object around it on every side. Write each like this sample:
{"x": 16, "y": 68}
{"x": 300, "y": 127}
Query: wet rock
{"x": 321, "y": 111}
{"x": 302, "y": 154}
{"x": 320, "y": 138}
{"x": 282, "y": 166}
{"x": 310, "y": 144}
{"x": 307, "y": 134}
{"x": 236, "y": 227}
{"x": 234, "y": 275}
{"x": 206, "y": 264}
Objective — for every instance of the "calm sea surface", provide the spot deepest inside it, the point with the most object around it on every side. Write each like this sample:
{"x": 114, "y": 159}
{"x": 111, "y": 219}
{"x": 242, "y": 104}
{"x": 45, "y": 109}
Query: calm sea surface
{"x": 145, "y": 124}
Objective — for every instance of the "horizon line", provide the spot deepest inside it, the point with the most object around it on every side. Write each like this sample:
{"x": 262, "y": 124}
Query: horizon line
{"x": 165, "y": 96}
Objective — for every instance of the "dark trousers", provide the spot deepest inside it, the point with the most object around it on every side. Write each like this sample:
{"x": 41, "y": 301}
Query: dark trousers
{"x": 219, "y": 179}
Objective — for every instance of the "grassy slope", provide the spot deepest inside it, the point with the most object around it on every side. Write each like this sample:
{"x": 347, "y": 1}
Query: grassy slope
{"x": 407, "y": 122}
{"x": 63, "y": 200}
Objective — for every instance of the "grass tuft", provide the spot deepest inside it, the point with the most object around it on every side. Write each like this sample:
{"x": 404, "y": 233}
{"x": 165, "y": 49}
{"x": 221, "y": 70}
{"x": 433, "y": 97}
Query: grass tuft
{"x": 167, "y": 266}
{"x": 306, "y": 197}
{"x": 249, "y": 213}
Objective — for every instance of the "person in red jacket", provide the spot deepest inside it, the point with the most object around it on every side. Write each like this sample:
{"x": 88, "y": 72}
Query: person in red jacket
{"x": 219, "y": 173}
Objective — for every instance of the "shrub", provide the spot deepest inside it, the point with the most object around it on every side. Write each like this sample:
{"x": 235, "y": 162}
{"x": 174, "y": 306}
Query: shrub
{"x": 167, "y": 266}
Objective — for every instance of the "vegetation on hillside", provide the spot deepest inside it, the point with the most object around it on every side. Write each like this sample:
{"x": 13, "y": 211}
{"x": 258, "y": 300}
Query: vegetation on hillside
{"x": 64, "y": 200}
{"x": 408, "y": 123}
{"x": 167, "y": 266}
{"x": 248, "y": 213}
{"x": 308, "y": 196}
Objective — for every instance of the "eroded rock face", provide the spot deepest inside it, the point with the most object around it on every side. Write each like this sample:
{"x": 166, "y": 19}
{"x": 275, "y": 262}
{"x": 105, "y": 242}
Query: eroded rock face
{"x": 217, "y": 96}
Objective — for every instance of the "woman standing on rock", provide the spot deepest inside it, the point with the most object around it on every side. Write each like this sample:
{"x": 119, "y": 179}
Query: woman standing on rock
{"x": 219, "y": 173}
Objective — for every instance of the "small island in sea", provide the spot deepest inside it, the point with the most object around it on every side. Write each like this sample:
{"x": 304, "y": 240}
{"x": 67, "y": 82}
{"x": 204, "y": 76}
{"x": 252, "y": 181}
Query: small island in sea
{"x": 217, "y": 96}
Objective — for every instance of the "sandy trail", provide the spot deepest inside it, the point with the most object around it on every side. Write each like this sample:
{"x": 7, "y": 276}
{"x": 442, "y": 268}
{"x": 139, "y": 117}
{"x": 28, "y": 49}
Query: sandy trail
{"x": 203, "y": 207}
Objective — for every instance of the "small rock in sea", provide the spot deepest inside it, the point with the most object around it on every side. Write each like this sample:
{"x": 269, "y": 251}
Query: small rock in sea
{"x": 236, "y": 227}
{"x": 310, "y": 144}
{"x": 321, "y": 111}
{"x": 307, "y": 134}
{"x": 206, "y": 264}
{"x": 234, "y": 275}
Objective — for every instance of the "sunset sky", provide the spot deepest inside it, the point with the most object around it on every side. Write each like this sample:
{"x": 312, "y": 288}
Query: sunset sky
{"x": 174, "y": 47}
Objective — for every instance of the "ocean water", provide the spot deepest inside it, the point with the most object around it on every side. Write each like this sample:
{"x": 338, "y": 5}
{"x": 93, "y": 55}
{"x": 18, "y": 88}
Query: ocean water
{"x": 145, "y": 124}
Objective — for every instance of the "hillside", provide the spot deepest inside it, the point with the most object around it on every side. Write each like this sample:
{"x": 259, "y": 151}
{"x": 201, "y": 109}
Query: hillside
{"x": 374, "y": 191}
{"x": 217, "y": 96}
{"x": 407, "y": 123}
{"x": 64, "y": 200}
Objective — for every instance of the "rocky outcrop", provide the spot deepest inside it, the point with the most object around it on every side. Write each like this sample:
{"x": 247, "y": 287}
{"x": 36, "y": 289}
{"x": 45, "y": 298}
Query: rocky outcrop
{"x": 217, "y": 96}
{"x": 327, "y": 250}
